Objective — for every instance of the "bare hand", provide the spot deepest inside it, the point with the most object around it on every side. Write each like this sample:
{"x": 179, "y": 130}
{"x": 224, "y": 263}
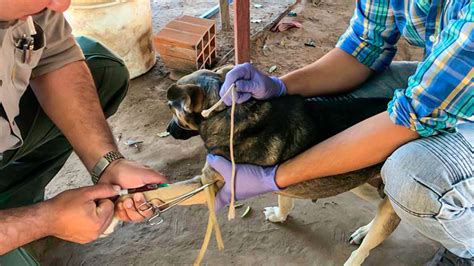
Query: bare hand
{"x": 82, "y": 215}
{"x": 129, "y": 174}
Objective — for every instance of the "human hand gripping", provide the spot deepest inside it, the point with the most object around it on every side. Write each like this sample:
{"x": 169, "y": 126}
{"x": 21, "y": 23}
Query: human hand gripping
{"x": 250, "y": 180}
{"x": 81, "y": 215}
{"x": 129, "y": 174}
{"x": 251, "y": 82}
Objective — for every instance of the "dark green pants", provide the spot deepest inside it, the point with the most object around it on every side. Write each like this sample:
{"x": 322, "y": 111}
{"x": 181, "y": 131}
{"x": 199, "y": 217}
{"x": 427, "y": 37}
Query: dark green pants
{"x": 26, "y": 171}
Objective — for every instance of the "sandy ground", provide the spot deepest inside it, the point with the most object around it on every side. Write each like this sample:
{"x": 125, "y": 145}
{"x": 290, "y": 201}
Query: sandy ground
{"x": 315, "y": 233}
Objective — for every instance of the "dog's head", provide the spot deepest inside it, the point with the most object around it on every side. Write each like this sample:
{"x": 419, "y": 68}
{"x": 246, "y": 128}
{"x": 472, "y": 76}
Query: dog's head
{"x": 189, "y": 96}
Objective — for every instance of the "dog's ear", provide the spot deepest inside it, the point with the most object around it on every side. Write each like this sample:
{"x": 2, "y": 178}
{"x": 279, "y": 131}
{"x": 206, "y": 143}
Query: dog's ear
{"x": 190, "y": 96}
{"x": 222, "y": 71}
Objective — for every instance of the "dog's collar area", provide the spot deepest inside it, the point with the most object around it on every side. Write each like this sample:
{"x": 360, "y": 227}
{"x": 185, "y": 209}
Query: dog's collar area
{"x": 207, "y": 112}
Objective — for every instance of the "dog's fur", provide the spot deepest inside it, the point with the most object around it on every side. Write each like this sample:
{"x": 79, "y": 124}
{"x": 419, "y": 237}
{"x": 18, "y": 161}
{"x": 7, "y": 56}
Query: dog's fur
{"x": 272, "y": 131}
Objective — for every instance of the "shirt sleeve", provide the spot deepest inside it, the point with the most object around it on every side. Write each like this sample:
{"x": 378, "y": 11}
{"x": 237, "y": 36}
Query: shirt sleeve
{"x": 61, "y": 47}
{"x": 441, "y": 92}
{"x": 372, "y": 34}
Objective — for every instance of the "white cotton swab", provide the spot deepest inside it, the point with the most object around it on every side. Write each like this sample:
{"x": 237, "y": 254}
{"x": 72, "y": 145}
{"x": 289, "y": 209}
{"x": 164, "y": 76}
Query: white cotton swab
{"x": 207, "y": 112}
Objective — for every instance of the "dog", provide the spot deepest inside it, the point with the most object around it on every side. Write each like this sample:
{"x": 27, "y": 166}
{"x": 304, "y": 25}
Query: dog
{"x": 272, "y": 131}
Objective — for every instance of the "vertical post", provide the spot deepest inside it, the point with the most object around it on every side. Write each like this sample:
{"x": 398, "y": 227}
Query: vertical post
{"x": 224, "y": 10}
{"x": 242, "y": 31}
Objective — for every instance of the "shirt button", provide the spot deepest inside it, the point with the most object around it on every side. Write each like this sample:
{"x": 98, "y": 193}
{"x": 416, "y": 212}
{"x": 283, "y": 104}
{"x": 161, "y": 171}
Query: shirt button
{"x": 432, "y": 38}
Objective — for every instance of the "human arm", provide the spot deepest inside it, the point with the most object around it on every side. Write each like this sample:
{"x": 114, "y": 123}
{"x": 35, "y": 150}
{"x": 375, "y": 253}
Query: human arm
{"x": 367, "y": 46}
{"x": 362, "y": 145}
{"x": 365, "y": 144}
{"x": 68, "y": 96}
{"x": 78, "y": 215}
{"x": 335, "y": 72}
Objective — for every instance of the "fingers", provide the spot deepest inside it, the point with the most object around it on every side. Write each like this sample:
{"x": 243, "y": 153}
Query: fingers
{"x": 239, "y": 72}
{"x": 132, "y": 209}
{"x": 220, "y": 164}
{"x": 242, "y": 71}
{"x": 155, "y": 178}
{"x": 121, "y": 213}
{"x": 222, "y": 199}
{"x": 101, "y": 191}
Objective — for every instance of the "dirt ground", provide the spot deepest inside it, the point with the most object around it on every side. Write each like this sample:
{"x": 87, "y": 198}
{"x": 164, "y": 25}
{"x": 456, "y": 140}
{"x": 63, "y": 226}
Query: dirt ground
{"x": 315, "y": 233}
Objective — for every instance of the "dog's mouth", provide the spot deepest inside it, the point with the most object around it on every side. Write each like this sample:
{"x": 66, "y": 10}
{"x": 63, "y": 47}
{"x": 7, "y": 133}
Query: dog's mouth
{"x": 178, "y": 131}
{"x": 176, "y": 121}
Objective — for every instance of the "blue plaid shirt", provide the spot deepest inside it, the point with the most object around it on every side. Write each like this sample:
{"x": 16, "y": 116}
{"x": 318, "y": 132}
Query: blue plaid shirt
{"x": 441, "y": 92}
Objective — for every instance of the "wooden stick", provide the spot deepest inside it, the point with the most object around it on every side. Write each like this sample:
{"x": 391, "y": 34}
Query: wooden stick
{"x": 242, "y": 31}
{"x": 225, "y": 17}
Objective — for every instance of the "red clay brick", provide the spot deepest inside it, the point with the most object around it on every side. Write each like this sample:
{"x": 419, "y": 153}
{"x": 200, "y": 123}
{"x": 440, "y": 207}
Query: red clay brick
{"x": 187, "y": 43}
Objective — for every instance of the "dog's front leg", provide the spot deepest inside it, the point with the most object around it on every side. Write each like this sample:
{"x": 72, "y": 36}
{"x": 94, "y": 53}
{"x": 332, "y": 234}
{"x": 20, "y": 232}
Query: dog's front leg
{"x": 280, "y": 213}
{"x": 165, "y": 194}
{"x": 379, "y": 229}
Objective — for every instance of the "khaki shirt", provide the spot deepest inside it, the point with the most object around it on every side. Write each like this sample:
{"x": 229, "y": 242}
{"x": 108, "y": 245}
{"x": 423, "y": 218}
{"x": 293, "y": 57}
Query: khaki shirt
{"x": 54, "y": 48}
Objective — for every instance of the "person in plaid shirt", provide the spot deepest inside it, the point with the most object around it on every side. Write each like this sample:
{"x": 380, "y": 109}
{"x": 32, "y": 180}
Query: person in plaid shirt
{"x": 426, "y": 136}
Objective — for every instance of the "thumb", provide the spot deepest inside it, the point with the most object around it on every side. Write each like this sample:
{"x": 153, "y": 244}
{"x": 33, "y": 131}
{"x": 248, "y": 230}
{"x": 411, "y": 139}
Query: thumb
{"x": 220, "y": 164}
{"x": 249, "y": 86}
{"x": 155, "y": 178}
{"x": 101, "y": 191}
{"x": 222, "y": 199}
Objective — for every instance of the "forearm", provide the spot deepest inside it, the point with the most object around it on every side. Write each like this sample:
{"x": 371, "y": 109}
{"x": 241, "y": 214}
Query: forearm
{"x": 23, "y": 225}
{"x": 336, "y": 72}
{"x": 69, "y": 97}
{"x": 365, "y": 144}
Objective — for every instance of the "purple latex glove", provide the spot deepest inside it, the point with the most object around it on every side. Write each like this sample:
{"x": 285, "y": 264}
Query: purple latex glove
{"x": 251, "y": 83}
{"x": 250, "y": 180}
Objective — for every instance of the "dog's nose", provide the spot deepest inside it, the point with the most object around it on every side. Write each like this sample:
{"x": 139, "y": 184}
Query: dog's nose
{"x": 178, "y": 133}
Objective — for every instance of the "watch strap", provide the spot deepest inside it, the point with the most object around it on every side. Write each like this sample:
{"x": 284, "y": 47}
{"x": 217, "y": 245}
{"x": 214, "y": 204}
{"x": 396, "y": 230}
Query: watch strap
{"x": 103, "y": 163}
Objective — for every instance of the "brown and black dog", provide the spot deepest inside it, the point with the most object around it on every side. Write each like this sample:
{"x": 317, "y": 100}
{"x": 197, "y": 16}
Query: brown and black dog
{"x": 275, "y": 130}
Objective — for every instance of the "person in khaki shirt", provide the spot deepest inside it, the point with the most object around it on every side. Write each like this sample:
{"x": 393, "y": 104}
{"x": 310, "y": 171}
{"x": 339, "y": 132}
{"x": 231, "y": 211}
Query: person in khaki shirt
{"x": 54, "y": 98}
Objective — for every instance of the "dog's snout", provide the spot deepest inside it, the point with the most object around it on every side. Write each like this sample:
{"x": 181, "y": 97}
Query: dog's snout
{"x": 179, "y": 133}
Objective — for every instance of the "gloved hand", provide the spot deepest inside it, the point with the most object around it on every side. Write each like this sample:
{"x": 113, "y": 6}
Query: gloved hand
{"x": 250, "y": 82}
{"x": 250, "y": 180}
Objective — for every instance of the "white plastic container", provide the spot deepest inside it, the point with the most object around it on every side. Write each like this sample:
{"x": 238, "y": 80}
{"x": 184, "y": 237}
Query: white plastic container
{"x": 122, "y": 25}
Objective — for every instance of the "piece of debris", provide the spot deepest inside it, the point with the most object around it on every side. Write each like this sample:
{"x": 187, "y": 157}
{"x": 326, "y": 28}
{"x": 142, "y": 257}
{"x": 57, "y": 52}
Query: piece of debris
{"x": 266, "y": 49}
{"x": 258, "y": 5}
{"x": 246, "y": 212}
{"x": 292, "y": 14}
{"x": 238, "y": 205}
{"x": 256, "y": 21}
{"x": 316, "y": 3}
{"x": 282, "y": 42}
{"x": 285, "y": 24}
{"x": 310, "y": 43}
{"x": 134, "y": 143}
{"x": 272, "y": 69}
{"x": 119, "y": 137}
{"x": 163, "y": 134}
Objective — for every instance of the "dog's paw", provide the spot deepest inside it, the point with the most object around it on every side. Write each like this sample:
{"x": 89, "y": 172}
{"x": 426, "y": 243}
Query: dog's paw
{"x": 274, "y": 215}
{"x": 357, "y": 237}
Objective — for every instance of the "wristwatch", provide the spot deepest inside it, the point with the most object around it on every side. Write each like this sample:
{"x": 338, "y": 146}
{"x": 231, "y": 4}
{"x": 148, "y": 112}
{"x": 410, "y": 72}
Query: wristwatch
{"x": 103, "y": 163}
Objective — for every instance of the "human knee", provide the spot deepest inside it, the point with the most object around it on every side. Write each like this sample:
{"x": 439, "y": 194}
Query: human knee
{"x": 412, "y": 180}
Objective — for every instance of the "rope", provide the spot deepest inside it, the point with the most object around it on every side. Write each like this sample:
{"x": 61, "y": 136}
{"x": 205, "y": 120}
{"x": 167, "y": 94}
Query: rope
{"x": 206, "y": 113}
{"x": 231, "y": 214}
{"x": 211, "y": 224}
{"x": 210, "y": 191}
